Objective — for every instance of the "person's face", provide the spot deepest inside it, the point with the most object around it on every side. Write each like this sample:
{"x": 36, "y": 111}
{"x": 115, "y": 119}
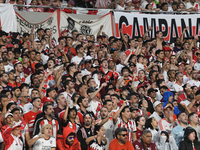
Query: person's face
{"x": 62, "y": 100}
{"x": 50, "y": 111}
{"x": 125, "y": 92}
{"x": 17, "y": 115}
{"x": 114, "y": 100}
{"x": 11, "y": 76}
{"x": 3, "y": 49}
{"x": 10, "y": 55}
{"x": 105, "y": 64}
{"x": 80, "y": 38}
{"x": 159, "y": 108}
{"x": 170, "y": 98}
{"x": 147, "y": 138}
{"x": 153, "y": 94}
{"x": 81, "y": 51}
{"x": 183, "y": 118}
{"x": 141, "y": 91}
{"x": 192, "y": 136}
{"x": 37, "y": 103}
{"x": 122, "y": 137}
{"x": 25, "y": 89}
{"x": 141, "y": 121}
{"x": 9, "y": 120}
{"x": 161, "y": 55}
{"x": 141, "y": 75}
{"x": 87, "y": 120}
{"x": 24, "y": 97}
{"x": 52, "y": 94}
{"x": 34, "y": 93}
{"x": 104, "y": 113}
{"x": 25, "y": 59}
{"x": 5, "y": 78}
{"x": 16, "y": 131}
{"x": 17, "y": 92}
{"x": 154, "y": 123}
{"x": 50, "y": 64}
{"x": 180, "y": 78}
{"x": 174, "y": 7}
{"x": 85, "y": 103}
{"x": 144, "y": 104}
{"x": 173, "y": 59}
{"x": 36, "y": 82}
{"x": 101, "y": 131}
{"x": 114, "y": 45}
{"x": 72, "y": 114}
{"x": 32, "y": 55}
{"x": 9, "y": 96}
{"x": 74, "y": 35}
{"x": 134, "y": 114}
{"x": 167, "y": 112}
{"x": 4, "y": 57}
{"x": 111, "y": 65}
{"x": 88, "y": 66}
{"x": 19, "y": 68}
{"x": 160, "y": 35}
{"x": 195, "y": 75}
{"x": 47, "y": 131}
{"x": 109, "y": 106}
{"x": 126, "y": 113}
{"x": 2, "y": 67}
{"x": 195, "y": 119}
{"x": 70, "y": 140}
{"x": 134, "y": 99}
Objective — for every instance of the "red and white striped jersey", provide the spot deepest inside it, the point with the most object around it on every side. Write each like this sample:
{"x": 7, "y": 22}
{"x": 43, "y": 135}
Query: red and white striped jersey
{"x": 130, "y": 126}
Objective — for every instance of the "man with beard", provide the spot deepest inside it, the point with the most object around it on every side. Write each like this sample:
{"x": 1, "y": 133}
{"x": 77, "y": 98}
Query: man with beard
{"x": 5, "y": 81}
{"x": 194, "y": 80}
{"x": 80, "y": 55}
{"x": 178, "y": 86}
{"x": 10, "y": 56}
{"x": 78, "y": 79}
{"x": 61, "y": 103}
{"x": 177, "y": 47}
{"x": 15, "y": 94}
{"x": 69, "y": 90}
{"x": 107, "y": 121}
{"x": 18, "y": 69}
{"x": 83, "y": 104}
{"x": 67, "y": 141}
{"x": 35, "y": 83}
{"x": 125, "y": 121}
{"x": 171, "y": 75}
{"x": 120, "y": 142}
{"x": 87, "y": 69}
{"x": 47, "y": 118}
{"x": 194, "y": 123}
{"x": 8, "y": 67}
{"x": 86, "y": 134}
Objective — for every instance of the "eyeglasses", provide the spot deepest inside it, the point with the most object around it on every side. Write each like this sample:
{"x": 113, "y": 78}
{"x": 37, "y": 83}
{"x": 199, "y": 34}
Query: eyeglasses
{"x": 70, "y": 138}
{"x": 102, "y": 46}
{"x": 123, "y": 135}
{"x": 25, "y": 96}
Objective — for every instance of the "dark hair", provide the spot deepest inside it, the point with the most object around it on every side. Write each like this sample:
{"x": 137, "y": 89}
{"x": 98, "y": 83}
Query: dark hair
{"x": 68, "y": 67}
{"x": 119, "y": 130}
{"x": 190, "y": 115}
{"x": 79, "y": 86}
{"x": 10, "y": 104}
{"x": 97, "y": 128}
{"x": 106, "y": 101}
{"x": 66, "y": 83}
{"x": 137, "y": 119}
{"x": 80, "y": 99}
{"x": 179, "y": 114}
{"x": 148, "y": 123}
{"x": 78, "y": 47}
{"x": 123, "y": 110}
{"x": 115, "y": 95}
{"x": 3, "y": 96}
{"x": 151, "y": 73}
{"x": 15, "y": 109}
{"x": 71, "y": 109}
{"x": 35, "y": 99}
{"x": 45, "y": 107}
{"x": 14, "y": 88}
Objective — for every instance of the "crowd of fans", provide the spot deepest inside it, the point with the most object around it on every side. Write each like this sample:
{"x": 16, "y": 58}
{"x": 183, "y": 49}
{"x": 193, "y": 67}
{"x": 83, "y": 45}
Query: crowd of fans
{"x": 82, "y": 92}
{"x": 159, "y": 6}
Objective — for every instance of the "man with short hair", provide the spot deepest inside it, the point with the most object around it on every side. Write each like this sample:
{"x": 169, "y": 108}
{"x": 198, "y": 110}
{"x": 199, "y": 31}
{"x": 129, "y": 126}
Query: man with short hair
{"x": 80, "y": 54}
{"x": 5, "y": 81}
{"x": 179, "y": 82}
{"x": 30, "y": 116}
{"x": 15, "y": 94}
{"x": 24, "y": 103}
{"x": 194, "y": 81}
{"x": 124, "y": 121}
{"x": 61, "y": 103}
{"x": 121, "y": 142}
{"x": 194, "y": 123}
{"x": 47, "y": 118}
{"x": 145, "y": 142}
{"x": 69, "y": 90}
{"x": 178, "y": 131}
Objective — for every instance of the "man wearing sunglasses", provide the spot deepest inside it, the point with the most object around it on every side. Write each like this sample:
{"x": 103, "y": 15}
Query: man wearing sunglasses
{"x": 120, "y": 142}
{"x": 67, "y": 141}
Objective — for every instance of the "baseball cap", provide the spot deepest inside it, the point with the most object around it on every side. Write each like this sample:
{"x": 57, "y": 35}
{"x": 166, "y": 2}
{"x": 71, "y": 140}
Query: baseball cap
{"x": 8, "y": 114}
{"x": 167, "y": 106}
{"x": 95, "y": 66}
{"x": 156, "y": 103}
{"x": 140, "y": 86}
{"x": 90, "y": 90}
{"x": 15, "y": 126}
{"x": 16, "y": 62}
{"x": 151, "y": 90}
{"x": 47, "y": 99}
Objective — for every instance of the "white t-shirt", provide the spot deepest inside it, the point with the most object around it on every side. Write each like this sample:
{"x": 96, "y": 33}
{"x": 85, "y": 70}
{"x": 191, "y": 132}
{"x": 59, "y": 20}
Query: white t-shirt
{"x": 42, "y": 144}
{"x": 119, "y": 68}
{"x": 177, "y": 87}
{"x": 92, "y": 106}
{"x": 170, "y": 84}
{"x": 8, "y": 68}
{"x": 194, "y": 83}
{"x": 76, "y": 59}
{"x": 189, "y": 5}
{"x": 139, "y": 67}
{"x": 120, "y": 7}
{"x": 197, "y": 66}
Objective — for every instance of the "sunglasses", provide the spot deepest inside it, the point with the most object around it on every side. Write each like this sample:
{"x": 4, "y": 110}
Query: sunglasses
{"x": 70, "y": 138}
{"x": 102, "y": 46}
{"x": 123, "y": 135}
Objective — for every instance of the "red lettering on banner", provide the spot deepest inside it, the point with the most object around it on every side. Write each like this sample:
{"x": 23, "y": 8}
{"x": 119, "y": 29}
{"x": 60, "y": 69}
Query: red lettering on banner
{"x": 117, "y": 29}
{"x": 179, "y": 31}
{"x": 193, "y": 30}
{"x": 168, "y": 35}
{"x": 127, "y": 29}
{"x": 141, "y": 30}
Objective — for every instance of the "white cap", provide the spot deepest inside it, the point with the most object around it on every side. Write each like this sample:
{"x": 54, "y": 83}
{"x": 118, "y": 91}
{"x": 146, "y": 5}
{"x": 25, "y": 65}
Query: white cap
{"x": 8, "y": 114}
{"x": 88, "y": 58}
{"x": 156, "y": 103}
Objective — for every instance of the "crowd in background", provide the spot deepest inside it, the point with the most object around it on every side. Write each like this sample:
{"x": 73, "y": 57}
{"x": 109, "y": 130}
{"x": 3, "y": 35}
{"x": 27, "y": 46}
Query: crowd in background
{"x": 94, "y": 93}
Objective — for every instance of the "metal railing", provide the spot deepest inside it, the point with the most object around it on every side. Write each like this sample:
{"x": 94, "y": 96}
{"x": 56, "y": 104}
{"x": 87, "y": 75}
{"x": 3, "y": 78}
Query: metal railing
{"x": 112, "y": 10}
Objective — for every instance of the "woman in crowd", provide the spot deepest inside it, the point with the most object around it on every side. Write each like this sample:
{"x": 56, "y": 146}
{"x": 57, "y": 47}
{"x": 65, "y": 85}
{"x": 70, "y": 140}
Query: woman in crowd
{"x": 140, "y": 123}
{"x": 44, "y": 140}
{"x": 152, "y": 125}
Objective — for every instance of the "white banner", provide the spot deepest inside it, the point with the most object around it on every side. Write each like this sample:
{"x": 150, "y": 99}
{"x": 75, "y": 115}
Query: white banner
{"x": 135, "y": 25}
{"x": 87, "y": 27}
{"x": 8, "y": 18}
{"x": 23, "y": 26}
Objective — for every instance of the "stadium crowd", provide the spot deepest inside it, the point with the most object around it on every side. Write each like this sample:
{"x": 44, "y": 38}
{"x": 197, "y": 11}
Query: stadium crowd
{"x": 85, "y": 93}
{"x": 159, "y": 6}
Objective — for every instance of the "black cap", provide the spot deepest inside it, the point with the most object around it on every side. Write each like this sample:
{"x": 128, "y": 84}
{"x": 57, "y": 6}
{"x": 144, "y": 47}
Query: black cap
{"x": 124, "y": 88}
{"x": 151, "y": 90}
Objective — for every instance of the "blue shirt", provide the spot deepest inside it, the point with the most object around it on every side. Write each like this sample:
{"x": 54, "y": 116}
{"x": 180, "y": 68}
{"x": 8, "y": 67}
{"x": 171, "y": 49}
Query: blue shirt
{"x": 177, "y": 133}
